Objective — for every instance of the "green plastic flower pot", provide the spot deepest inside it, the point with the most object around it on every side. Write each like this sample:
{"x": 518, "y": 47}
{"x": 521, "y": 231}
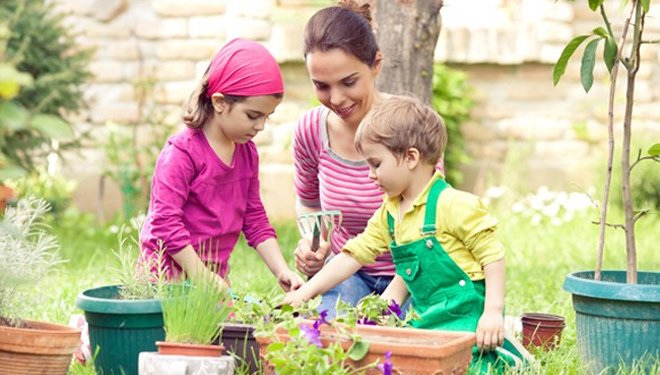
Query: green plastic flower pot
{"x": 616, "y": 323}
{"x": 121, "y": 329}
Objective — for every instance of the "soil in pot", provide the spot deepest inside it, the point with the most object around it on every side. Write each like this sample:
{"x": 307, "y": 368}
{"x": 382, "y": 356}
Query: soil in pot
{"x": 542, "y": 330}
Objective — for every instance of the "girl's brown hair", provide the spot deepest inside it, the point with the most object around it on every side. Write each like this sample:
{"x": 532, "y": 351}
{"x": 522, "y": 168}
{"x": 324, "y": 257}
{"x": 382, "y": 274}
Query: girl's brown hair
{"x": 199, "y": 108}
{"x": 402, "y": 122}
{"x": 346, "y": 26}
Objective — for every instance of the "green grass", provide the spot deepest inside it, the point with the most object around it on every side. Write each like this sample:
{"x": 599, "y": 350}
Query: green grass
{"x": 538, "y": 259}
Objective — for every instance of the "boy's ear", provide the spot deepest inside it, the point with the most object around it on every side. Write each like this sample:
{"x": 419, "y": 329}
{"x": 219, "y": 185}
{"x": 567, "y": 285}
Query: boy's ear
{"x": 218, "y": 101}
{"x": 412, "y": 158}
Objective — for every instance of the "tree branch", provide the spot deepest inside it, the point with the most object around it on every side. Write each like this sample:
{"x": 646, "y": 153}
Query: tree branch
{"x": 615, "y": 226}
{"x": 640, "y": 159}
{"x": 640, "y": 214}
{"x": 650, "y": 41}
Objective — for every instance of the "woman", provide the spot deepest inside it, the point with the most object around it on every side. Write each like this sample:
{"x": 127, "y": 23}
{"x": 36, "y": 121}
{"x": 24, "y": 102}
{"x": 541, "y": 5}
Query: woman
{"x": 343, "y": 61}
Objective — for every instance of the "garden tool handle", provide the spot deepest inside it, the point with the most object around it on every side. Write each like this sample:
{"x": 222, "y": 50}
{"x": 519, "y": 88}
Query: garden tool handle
{"x": 316, "y": 237}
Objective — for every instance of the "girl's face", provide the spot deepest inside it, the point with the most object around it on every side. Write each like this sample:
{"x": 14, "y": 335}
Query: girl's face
{"x": 241, "y": 121}
{"x": 391, "y": 175}
{"x": 343, "y": 83}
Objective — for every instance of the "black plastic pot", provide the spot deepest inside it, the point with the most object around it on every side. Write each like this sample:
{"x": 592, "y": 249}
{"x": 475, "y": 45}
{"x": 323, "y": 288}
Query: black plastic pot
{"x": 239, "y": 339}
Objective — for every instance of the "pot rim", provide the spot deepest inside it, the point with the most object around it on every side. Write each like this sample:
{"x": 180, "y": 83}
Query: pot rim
{"x": 582, "y": 283}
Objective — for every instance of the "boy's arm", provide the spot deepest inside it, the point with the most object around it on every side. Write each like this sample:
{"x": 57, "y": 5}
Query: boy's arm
{"x": 340, "y": 268}
{"x": 271, "y": 254}
{"x": 397, "y": 291}
{"x": 490, "y": 330}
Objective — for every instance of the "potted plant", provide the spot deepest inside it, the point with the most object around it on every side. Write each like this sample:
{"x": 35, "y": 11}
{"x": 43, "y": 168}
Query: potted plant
{"x": 355, "y": 342}
{"x": 27, "y": 253}
{"x": 617, "y": 312}
{"x": 124, "y": 319}
{"x": 192, "y": 314}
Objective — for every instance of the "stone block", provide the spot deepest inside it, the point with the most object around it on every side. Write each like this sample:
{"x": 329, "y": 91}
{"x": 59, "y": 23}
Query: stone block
{"x": 528, "y": 91}
{"x": 123, "y": 50}
{"x": 174, "y": 92}
{"x": 260, "y": 9}
{"x": 248, "y": 28}
{"x": 121, "y": 112}
{"x": 156, "y": 364}
{"x": 286, "y": 42}
{"x": 533, "y": 128}
{"x": 110, "y": 92}
{"x": 171, "y": 70}
{"x": 106, "y": 71}
{"x": 107, "y": 10}
{"x": 162, "y": 28}
{"x": 478, "y": 132}
{"x": 207, "y": 27}
{"x": 187, "y": 49}
{"x": 187, "y": 8}
{"x": 117, "y": 29}
{"x": 563, "y": 150}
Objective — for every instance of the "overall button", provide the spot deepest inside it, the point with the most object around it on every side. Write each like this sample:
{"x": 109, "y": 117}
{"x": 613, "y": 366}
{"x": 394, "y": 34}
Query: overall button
{"x": 461, "y": 283}
{"x": 408, "y": 271}
{"x": 429, "y": 244}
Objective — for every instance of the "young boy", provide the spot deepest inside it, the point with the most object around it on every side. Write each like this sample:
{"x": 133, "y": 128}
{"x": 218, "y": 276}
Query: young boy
{"x": 447, "y": 255}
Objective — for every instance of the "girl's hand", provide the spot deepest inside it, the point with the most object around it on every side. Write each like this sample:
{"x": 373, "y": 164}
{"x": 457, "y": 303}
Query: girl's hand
{"x": 289, "y": 280}
{"x": 490, "y": 331}
{"x": 307, "y": 261}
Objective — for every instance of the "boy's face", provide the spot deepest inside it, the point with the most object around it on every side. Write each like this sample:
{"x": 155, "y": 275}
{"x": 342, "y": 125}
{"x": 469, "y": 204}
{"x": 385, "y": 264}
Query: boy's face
{"x": 391, "y": 175}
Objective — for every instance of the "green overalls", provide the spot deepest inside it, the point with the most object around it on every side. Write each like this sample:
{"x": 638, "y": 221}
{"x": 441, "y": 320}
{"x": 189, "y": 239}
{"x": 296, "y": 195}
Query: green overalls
{"x": 442, "y": 293}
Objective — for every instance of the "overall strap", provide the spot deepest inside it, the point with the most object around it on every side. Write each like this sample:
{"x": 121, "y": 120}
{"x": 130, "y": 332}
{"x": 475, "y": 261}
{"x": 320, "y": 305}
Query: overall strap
{"x": 431, "y": 205}
{"x": 390, "y": 225}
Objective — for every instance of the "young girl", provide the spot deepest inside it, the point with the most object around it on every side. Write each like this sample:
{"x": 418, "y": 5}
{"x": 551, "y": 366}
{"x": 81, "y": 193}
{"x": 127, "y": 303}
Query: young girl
{"x": 443, "y": 241}
{"x": 205, "y": 188}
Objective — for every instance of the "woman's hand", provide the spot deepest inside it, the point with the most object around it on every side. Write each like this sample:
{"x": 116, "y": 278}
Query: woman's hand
{"x": 289, "y": 280}
{"x": 490, "y": 331}
{"x": 307, "y": 261}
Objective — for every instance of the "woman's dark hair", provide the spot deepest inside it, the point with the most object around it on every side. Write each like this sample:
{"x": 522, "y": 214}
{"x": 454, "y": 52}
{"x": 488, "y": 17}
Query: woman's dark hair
{"x": 346, "y": 26}
{"x": 199, "y": 107}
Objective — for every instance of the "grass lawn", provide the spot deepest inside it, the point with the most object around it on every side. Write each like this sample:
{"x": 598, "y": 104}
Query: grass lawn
{"x": 538, "y": 259}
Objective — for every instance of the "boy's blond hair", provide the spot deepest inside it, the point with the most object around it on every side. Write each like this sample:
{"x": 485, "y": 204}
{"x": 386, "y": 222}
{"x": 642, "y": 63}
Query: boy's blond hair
{"x": 401, "y": 122}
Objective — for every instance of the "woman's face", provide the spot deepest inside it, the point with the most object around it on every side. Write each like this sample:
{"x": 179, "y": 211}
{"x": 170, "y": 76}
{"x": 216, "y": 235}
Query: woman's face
{"x": 343, "y": 83}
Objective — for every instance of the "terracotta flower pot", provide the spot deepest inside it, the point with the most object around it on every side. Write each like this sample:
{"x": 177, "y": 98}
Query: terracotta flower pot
{"x": 39, "y": 348}
{"x": 191, "y": 350}
{"x": 542, "y": 330}
{"x": 414, "y": 351}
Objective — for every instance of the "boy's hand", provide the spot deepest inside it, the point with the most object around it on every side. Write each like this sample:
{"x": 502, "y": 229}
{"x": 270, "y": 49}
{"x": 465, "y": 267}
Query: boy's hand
{"x": 307, "y": 261}
{"x": 289, "y": 280}
{"x": 490, "y": 331}
{"x": 294, "y": 298}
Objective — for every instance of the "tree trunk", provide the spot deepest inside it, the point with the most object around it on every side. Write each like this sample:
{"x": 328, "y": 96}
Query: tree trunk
{"x": 407, "y": 33}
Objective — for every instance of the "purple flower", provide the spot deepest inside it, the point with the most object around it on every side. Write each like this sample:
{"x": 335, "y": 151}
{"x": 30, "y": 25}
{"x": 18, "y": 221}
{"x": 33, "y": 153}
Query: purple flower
{"x": 365, "y": 321}
{"x": 394, "y": 308}
{"x": 311, "y": 334}
{"x": 322, "y": 320}
{"x": 386, "y": 367}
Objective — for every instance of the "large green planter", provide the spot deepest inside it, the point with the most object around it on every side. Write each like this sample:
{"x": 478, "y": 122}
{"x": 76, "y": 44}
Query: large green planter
{"x": 121, "y": 329}
{"x": 616, "y": 323}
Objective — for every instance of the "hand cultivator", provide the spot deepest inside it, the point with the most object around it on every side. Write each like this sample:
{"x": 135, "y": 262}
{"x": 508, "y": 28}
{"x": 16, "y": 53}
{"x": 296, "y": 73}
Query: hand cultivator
{"x": 317, "y": 223}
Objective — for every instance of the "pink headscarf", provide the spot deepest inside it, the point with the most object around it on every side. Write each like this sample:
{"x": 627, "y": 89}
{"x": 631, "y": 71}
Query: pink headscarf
{"x": 244, "y": 68}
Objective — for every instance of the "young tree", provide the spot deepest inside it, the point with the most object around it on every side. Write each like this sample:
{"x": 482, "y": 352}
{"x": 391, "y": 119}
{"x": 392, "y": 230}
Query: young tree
{"x": 407, "y": 33}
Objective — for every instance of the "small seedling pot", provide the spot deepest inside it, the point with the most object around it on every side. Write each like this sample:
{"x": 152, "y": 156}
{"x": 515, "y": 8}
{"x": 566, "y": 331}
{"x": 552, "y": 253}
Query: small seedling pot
{"x": 542, "y": 330}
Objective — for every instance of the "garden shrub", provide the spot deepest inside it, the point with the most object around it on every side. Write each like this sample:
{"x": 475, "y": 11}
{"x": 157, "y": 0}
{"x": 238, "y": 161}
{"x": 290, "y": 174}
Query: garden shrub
{"x": 39, "y": 44}
{"x": 453, "y": 99}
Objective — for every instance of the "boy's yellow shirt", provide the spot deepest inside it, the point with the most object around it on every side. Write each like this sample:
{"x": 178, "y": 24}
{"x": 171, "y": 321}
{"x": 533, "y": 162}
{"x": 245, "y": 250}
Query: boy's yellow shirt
{"x": 464, "y": 227}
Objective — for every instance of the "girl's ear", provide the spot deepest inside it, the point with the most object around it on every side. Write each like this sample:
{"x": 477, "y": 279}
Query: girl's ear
{"x": 218, "y": 101}
{"x": 412, "y": 158}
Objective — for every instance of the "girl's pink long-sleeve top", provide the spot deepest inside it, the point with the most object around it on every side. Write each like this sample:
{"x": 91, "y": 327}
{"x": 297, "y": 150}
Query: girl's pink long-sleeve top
{"x": 197, "y": 199}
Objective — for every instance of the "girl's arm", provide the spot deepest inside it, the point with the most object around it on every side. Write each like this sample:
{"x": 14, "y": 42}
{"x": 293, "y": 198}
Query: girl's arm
{"x": 271, "y": 254}
{"x": 340, "y": 268}
{"x": 193, "y": 266}
{"x": 490, "y": 330}
{"x": 396, "y": 291}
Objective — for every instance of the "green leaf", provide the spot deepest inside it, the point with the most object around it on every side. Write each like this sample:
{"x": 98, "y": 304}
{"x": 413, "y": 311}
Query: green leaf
{"x": 560, "y": 66}
{"x": 655, "y": 150}
{"x": 277, "y": 345}
{"x": 358, "y": 350}
{"x": 51, "y": 126}
{"x": 646, "y": 5}
{"x": 594, "y": 4}
{"x": 600, "y": 32}
{"x": 588, "y": 62}
{"x": 609, "y": 53}
{"x": 12, "y": 116}
{"x": 11, "y": 172}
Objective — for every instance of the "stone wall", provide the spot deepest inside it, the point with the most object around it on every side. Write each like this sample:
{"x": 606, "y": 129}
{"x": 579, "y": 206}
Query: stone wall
{"x": 522, "y": 124}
